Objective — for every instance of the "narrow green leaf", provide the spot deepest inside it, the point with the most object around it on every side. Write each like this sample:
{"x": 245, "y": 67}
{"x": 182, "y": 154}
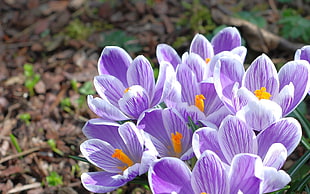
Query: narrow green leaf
{"x": 15, "y": 143}
{"x": 303, "y": 121}
{"x": 79, "y": 158}
{"x": 299, "y": 163}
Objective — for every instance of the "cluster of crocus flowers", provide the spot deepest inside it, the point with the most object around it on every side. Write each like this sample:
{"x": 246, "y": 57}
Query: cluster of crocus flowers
{"x": 203, "y": 106}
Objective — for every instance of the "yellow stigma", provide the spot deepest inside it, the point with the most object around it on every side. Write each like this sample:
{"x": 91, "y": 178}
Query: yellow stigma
{"x": 262, "y": 94}
{"x": 126, "y": 90}
{"x": 120, "y": 155}
{"x": 203, "y": 193}
{"x": 199, "y": 102}
{"x": 207, "y": 60}
{"x": 176, "y": 142}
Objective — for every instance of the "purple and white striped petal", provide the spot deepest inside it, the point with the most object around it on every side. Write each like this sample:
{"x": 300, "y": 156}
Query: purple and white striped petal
{"x": 197, "y": 65}
{"x": 134, "y": 101}
{"x": 240, "y": 51}
{"x": 133, "y": 140}
{"x": 103, "y": 182}
{"x": 235, "y": 137}
{"x": 201, "y": 46}
{"x": 114, "y": 61}
{"x": 259, "y": 114}
{"x": 212, "y": 101}
{"x": 262, "y": 73}
{"x": 170, "y": 175}
{"x": 246, "y": 174}
{"x": 209, "y": 175}
{"x": 298, "y": 73}
{"x": 166, "y": 82}
{"x": 188, "y": 81}
{"x": 109, "y": 87}
{"x": 227, "y": 73}
{"x": 105, "y": 109}
{"x": 285, "y": 97}
{"x": 226, "y": 40}
{"x": 303, "y": 53}
{"x": 204, "y": 139}
{"x": 276, "y": 156}
{"x": 166, "y": 53}
{"x": 286, "y": 131}
{"x": 140, "y": 72}
{"x": 274, "y": 180}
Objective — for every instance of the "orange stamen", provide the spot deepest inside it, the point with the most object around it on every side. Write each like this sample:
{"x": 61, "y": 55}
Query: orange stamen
{"x": 262, "y": 94}
{"x": 199, "y": 102}
{"x": 120, "y": 155}
{"x": 176, "y": 142}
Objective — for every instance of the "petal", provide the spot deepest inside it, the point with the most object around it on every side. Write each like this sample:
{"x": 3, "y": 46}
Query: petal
{"x": 212, "y": 101}
{"x": 188, "y": 81}
{"x": 236, "y": 137}
{"x": 201, "y": 46}
{"x": 298, "y": 73}
{"x": 246, "y": 174}
{"x": 285, "y": 98}
{"x": 241, "y": 97}
{"x": 204, "y": 139}
{"x": 109, "y": 87}
{"x": 260, "y": 114}
{"x": 165, "y": 83}
{"x": 241, "y": 51}
{"x": 286, "y": 131}
{"x": 209, "y": 175}
{"x": 114, "y": 61}
{"x": 169, "y": 175}
{"x": 141, "y": 73}
{"x": 274, "y": 180}
{"x": 276, "y": 156}
{"x": 303, "y": 53}
{"x": 105, "y": 109}
{"x": 262, "y": 73}
{"x": 197, "y": 65}
{"x": 191, "y": 112}
{"x": 100, "y": 153}
{"x": 103, "y": 182}
{"x": 134, "y": 101}
{"x": 165, "y": 52}
{"x": 217, "y": 116}
{"x": 226, "y": 40}
{"x": 227, "y": 72}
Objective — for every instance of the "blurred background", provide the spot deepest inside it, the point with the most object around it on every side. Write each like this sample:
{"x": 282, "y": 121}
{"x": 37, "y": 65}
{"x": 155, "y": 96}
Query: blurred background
{"x": 48, "y": 58}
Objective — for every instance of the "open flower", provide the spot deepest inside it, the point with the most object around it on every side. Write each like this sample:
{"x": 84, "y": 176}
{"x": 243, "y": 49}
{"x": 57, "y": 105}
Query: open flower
{"x": 169, "y": 132}
{"x": 236, "y": 87}
{"x": 127, "y": 87}
{"x": 119, "y": 150}
{"x": 246, "y": 174}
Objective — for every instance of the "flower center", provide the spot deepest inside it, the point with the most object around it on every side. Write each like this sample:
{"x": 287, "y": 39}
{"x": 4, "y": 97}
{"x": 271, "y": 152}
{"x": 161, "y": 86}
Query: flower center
{"x": 262, "y": 94}
{"x": 207, "y": 60}
{"x": 126, "y": 90}
{"x": 176, "y": 142}
{"x": 199, "y": 102}
{"x": 120, "y": 155}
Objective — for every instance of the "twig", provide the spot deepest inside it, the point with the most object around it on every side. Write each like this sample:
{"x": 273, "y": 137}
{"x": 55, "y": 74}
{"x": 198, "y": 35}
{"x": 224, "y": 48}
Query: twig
{"x": 24, "y": 187}
{"x": 26, "y": 152}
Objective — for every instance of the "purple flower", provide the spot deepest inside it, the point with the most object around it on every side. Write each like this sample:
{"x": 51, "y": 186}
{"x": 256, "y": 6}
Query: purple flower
{"x": 236, "y": 87}
{"x": 118, "y": 150}
{"x": 127, "y": 87}
{"x": 235, "y": 136}
{"x": 169, "y": 132}
{"x": 246, "y": 174}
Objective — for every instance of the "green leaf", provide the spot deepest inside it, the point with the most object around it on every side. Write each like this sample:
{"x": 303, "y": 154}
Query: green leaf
{"x": 15, "y": 143}
{"x": 54, "y": 179}
{"x": 79, "y": 158}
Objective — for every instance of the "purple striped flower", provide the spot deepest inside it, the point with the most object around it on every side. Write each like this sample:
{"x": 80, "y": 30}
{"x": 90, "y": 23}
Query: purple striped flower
{"x": 127, "y": 87}
{"x": 236, "y": 87}
{"x": 246, "y": 174}
{"x": 121, "y": 152}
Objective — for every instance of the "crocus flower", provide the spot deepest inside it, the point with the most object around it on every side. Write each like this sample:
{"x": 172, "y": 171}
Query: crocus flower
{"x": 168, "y": 131}
{"x": 246, "y": 174}
{"x": 236, "y": 87}
{"x": 235, "y": 136}
{"x": 119, "y": 150}
{"x": 127, "y": 87}
{"x": 228, "y": 39}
